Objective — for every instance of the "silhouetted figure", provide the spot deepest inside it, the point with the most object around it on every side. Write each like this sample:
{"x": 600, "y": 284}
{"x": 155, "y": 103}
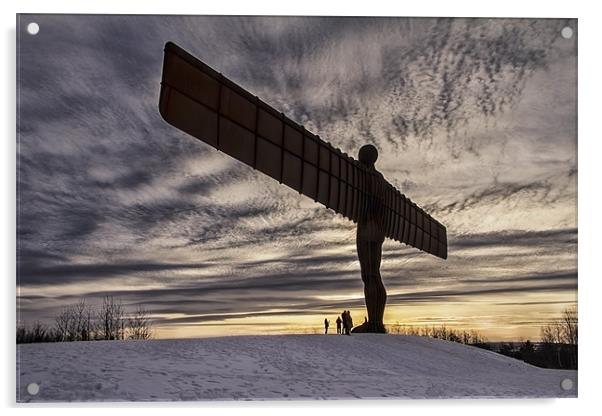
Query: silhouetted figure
{"x": 349, "y": 323}
{"x": 326, "y": 324}
{"x": 365, "y": 320}
{"x": 369, "y": 239}
{"x": 339, "y": 322}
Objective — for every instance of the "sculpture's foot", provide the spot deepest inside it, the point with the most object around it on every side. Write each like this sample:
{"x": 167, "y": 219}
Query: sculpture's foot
{"x": 370, "y": 328}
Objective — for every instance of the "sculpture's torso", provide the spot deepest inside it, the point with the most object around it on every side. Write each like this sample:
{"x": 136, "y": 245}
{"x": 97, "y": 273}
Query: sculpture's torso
{"x": 370, "y": 225}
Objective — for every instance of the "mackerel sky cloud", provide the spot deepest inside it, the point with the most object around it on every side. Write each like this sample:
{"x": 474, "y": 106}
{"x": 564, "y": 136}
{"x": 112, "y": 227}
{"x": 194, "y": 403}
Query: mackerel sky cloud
{"x": 474, "y": 119}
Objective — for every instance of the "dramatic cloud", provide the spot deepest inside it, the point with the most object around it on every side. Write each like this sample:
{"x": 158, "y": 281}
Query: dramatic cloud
{"x": 474, "y": 119}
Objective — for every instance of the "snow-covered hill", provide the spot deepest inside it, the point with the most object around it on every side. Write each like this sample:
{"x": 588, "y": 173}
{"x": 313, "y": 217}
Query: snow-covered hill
{"x": 277, "y": 367}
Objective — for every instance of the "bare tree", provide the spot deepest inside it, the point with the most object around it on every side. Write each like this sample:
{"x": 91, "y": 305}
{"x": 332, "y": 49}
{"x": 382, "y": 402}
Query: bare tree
{"x": 82, "y": 317}
{"x": 111, "y": 320}
{"x": 570, "y": 326}
{"x": 139, "y": 324}
{"x": 477, "y": 338}
{"x": 38, "y": 332}
{"x": 21, "y": 334}
{"x": 79, "y": 322}
{"x": 551, "y": 336}
{"x": 74, "y": 322}
{"x": 563, "y": 330}
{"x": 561, "y": 337}
{"x": 63, "y": 324}
{"x": 570, "y": 334}
{"x": 548, "y": 334}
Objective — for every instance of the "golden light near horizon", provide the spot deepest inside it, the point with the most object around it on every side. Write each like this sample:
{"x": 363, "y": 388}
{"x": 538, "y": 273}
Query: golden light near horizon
{"x": 508, "y": 318}
{"x": 113, "y": 201}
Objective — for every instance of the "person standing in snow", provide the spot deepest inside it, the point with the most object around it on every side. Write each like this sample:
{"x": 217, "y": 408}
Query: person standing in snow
{"x": 349, "y": 323}
{"x": 346, "y": 323}
{"x": 326, "y": 324}
{"x": 339, "y": 324}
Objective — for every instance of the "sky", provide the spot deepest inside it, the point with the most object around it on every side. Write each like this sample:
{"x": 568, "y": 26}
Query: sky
{"x": 474, "y": 120}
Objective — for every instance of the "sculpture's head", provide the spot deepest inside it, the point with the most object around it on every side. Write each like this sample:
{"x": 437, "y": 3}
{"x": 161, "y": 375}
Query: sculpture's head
{"x": 368, "y": 155}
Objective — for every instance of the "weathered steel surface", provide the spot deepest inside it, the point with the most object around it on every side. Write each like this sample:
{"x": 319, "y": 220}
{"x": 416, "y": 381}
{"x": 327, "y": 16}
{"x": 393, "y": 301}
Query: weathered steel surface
{"x": 205, "y": 104}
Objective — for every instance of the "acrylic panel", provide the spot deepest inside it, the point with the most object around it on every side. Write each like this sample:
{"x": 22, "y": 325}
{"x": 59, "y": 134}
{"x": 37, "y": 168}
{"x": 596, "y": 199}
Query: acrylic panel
{"x": 269, "y": 208}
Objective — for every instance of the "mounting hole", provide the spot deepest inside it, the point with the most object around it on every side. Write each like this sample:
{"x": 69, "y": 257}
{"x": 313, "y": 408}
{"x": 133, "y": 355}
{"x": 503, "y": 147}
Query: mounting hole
{"x": 566, "y": 384}
{"x": 33, "y": 388}
{"x": 33, "y": 28}
{"x": 566, "y": 32}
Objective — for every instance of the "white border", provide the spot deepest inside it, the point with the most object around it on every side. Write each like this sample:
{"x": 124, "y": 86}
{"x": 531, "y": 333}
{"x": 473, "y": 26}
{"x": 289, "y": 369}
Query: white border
{"x": 466, "y": 8}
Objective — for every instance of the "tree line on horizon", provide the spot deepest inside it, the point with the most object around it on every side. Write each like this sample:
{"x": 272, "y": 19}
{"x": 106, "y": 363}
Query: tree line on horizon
{"x": 557, "y": 347}
{"x": 442, "y": 332}
{"x": 81, "y": 322}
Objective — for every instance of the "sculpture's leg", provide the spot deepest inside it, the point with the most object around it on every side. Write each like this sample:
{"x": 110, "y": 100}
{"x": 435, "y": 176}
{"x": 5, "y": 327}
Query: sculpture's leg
{"x": 370, "y": 253}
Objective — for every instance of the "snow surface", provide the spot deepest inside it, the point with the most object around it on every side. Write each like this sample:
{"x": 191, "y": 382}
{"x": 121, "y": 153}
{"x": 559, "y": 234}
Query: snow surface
{"x": 277, "y": 367}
